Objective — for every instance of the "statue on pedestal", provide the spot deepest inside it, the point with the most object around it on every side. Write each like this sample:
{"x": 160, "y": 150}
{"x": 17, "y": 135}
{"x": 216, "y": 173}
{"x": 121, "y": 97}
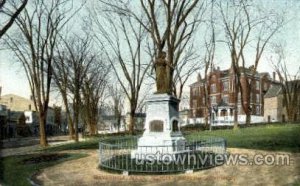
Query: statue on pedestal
{"x": 161, "y": 73}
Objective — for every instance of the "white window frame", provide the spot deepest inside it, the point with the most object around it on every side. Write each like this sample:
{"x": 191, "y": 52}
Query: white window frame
{"x": 257, "y": 85}
{"x": 227, "y": 98}
{"x": 225, "y": 88}
{"x": 257, "y": 98}
{"x": 257, "y": 110}
{"x": 213, "y": 100}
{"x": 213, "y": 88}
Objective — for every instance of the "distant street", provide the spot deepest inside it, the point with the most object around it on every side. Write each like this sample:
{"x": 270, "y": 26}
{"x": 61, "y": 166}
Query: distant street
{"x": 21, "y": 146}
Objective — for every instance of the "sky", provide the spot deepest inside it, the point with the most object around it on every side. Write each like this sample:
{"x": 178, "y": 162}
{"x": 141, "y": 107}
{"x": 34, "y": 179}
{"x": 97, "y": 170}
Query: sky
{"x": 13, "y": 79}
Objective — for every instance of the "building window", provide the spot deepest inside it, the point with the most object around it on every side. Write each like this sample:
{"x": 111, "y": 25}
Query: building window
{"x": 194, "y": 113}
{"x": 213, "y": 88}
{"x": 226, "y": 99}
{"x": 213, "y": 100}
{"x": 257, "y": 98}
{"x": 257, "y": 110}
{"x": 194, "y": 103}
{"x": 11, "y": 99}
{"x": 257, "y": 85}
{"x": 29, "y": 107}
{"x": 225, "y": 86}
{"x": 195, "y": 91}
{"x": 239, "y": 97}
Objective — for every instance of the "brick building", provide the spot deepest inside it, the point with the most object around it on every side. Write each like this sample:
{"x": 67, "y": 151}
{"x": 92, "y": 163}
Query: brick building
{"x": 221, "y": 93}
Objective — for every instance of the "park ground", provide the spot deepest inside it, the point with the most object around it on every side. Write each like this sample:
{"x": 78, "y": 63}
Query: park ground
{"x": 68, "y": 163}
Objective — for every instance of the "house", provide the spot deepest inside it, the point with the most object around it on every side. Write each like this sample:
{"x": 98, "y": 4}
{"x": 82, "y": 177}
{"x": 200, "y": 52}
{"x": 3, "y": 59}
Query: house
{"x": 32, "y": 120}
{"x": 17, "y": 103}
{"x": 184, "y": 117}
{"x": 109, "y": 123}
{"x": 184, "y": 103}
{"x": 3, "y": 120}
{"x": 276, "y": 111}
{"x": 221, "y": 89}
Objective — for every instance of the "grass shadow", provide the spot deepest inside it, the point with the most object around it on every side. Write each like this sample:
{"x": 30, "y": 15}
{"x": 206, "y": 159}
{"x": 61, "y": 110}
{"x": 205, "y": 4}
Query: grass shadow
{"x": 18, "y": 170}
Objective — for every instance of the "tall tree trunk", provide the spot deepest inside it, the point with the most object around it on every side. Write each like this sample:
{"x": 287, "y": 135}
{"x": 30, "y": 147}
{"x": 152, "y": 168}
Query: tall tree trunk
{"x": 76, "y": 129}
{"x": 131, "y": 121}
{"x": 235, "y": 113}
{"x": 206, "y": 120}
{"x": 70, "y": 121}
{"x": 70, "y": 126}
{"x": 42, "y": 124}
{"x": 76, "y": 119}
{"x": 248, "y": 118}
{"x": 290, "y": 114}
{"x": 94, "y": 128}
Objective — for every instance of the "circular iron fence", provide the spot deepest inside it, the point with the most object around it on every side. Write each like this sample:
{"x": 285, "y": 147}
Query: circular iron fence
{"x": 124, "y": 154}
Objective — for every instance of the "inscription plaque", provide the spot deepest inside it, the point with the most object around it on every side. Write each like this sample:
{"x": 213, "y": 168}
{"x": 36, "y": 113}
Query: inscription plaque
{"x": 156, "y": 126}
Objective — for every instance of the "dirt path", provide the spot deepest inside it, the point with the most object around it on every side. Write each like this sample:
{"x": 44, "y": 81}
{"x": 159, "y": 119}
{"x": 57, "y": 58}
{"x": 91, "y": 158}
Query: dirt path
{"x": 84, "y": 172}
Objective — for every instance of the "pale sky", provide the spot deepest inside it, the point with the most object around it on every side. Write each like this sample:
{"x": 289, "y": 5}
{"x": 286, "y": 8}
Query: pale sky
{"x": 13, "y": 79}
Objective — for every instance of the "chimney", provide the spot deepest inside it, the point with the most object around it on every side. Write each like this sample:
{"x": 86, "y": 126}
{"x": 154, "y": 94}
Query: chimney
{"x": 274, "y": 76}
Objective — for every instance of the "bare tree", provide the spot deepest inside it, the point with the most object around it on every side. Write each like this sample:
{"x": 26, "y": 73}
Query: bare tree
{"x": 70, "y": 70}
{"x": 171, "y": 25}
{"x": 187, "y": 65}
{"x": 117, "y": 95}
{"x": 243, "y": 28}
{"x": 290, "y": 84}
{"x": 209, "y": 57}
{"x": 34, "y": 45}
{"x": 61, "y": 77}
{"x": 94, "y": 85}
{"x": 122, "y": 39}
{"x": 9, "y": 11}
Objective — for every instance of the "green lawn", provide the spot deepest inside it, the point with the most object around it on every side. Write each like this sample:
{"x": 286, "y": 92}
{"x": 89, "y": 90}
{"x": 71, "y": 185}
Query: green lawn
{"x": 279, "y": 137}
{"x": 16, "y": 170}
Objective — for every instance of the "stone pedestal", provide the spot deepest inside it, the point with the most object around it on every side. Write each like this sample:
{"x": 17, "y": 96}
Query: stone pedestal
{"x": 162, "y": 136}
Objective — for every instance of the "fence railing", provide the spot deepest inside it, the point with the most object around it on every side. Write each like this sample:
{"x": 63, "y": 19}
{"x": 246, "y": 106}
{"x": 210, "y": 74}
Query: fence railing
{"x": 124, "y": 154}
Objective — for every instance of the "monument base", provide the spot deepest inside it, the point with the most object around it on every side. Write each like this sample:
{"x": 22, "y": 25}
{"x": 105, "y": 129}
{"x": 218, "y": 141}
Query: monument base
{"x": 162, "y": 137}
{"x": 159, "y": 147}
